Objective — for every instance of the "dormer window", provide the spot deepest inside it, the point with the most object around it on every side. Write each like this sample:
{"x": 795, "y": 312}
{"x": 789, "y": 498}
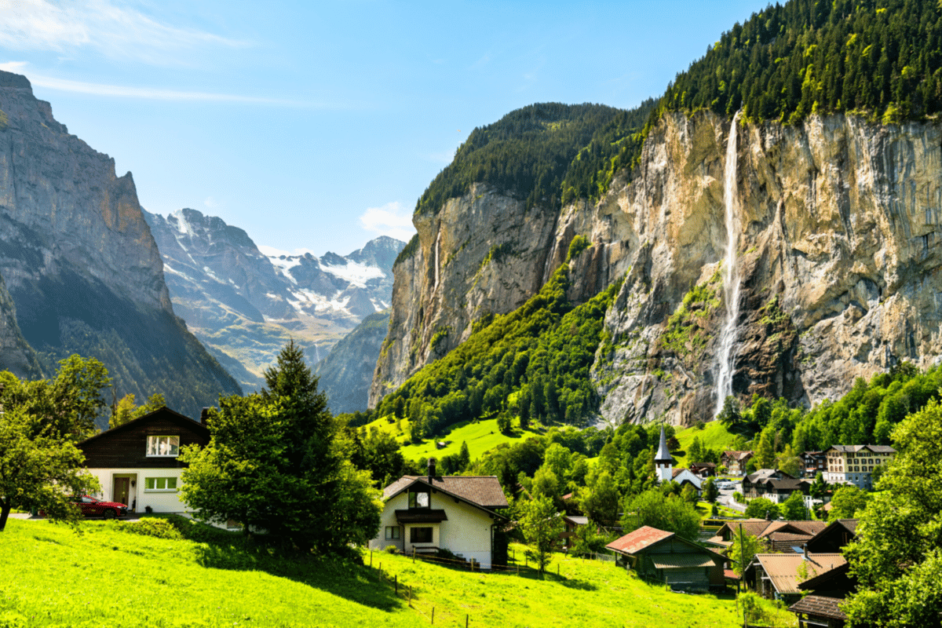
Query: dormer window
{"x": 418, "y": 499}
{"x": 163, "y": 446}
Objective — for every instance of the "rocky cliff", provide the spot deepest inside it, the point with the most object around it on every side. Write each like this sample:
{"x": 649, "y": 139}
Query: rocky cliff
{"x": 347, "y": 371}
{"x": 244, "y": 302}
{"x": 838, "y": 223}
{"x": 81, "y": 265}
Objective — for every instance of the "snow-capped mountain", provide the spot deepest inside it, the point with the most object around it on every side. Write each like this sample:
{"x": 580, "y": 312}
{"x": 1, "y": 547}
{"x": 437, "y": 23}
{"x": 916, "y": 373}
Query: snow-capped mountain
{"x": 246, "y": 301}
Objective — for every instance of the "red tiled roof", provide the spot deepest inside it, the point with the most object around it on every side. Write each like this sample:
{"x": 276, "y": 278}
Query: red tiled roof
{"x": 638, "y": 540}
{"x": 729, "y": 574}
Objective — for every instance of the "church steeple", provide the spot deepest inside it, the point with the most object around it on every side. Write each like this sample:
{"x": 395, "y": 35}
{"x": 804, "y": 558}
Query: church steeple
{"x": 663, "y": 461}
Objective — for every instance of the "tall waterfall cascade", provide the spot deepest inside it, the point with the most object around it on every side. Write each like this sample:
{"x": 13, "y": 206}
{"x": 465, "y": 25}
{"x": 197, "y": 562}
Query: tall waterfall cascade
{"x": 726, "y": 356}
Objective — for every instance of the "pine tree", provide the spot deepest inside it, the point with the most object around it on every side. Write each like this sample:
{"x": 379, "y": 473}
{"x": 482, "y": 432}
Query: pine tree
{"x": 464, "y": 456}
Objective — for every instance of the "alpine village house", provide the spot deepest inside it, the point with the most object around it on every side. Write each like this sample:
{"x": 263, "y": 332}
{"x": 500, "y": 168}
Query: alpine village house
{"x": 136, "y": 463}
{"x": 425, "y": 514}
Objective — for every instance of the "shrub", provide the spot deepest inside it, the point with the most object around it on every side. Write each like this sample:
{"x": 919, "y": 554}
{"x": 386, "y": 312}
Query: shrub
{"x": 390, "y": 549}
{"x": 159, "y": 528}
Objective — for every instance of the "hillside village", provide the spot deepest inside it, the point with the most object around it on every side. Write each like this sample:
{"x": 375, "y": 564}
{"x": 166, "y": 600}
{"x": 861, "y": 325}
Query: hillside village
{"x": 672, "y": 365}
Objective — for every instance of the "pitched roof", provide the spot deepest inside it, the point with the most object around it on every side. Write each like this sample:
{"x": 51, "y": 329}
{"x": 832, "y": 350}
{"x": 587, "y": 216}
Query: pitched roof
{"x": 481, "y": 490}
{"x": 852, "y": 449}
{"x": 738, "y": 455}
{"x": 782, "y": 569}
{"x": 663, "y": 455}
{"x": 809, "y": 528}
{"x": 819, "y": 606}
{"x": 825, "y": 576}
{"x": 164, "y": 412}
{"x": 848, "y": 524}
{"x": 763, "y": 475}
{"x": 678, "y": 561}
{"x": 578, "y": 520}
{"x": 634, "y": 542}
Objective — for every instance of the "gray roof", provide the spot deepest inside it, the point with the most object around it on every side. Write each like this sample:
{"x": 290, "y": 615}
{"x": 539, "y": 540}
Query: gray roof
{"x": 662, "y": 454}
{"x": 852, "y": 449}
{"x": 483, "y": 491}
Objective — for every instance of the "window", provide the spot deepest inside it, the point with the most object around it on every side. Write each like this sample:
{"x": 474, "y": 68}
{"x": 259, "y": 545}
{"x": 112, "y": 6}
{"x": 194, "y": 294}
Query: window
{"x": 163, "y": 446}
{"x": 418, "y": 500}
{"x": 392, "y": 532}
{"x": 167, "y": 485}
{"x": 420, "y": 535}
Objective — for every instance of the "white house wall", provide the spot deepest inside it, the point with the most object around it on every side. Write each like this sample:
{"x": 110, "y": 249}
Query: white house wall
{"x": 159, "y": 501}
{"x": 467, "y": 532}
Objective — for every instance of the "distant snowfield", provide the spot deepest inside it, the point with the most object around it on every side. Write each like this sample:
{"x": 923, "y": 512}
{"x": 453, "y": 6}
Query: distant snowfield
{"x": 354, "y": 272}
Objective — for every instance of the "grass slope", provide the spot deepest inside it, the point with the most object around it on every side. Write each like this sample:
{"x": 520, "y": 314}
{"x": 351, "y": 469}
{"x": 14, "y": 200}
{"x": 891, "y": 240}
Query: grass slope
{"x": 481, "y": 437}
{"x": 713, "y": 436}
{"x": 54, "y": 576}
{"x": 585, "y": 593}
{"x": 107, "y": 577}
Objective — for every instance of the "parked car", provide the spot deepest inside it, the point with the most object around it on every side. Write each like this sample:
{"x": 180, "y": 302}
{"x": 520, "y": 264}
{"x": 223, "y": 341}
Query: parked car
{"x": 92, "y": 507}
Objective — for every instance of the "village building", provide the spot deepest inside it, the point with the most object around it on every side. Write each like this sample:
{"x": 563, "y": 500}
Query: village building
{"x": 823, "y": 594}
{"x": 573, "y": 523}
{"x": 812, "y": 463}
{"x": 686, "y": 476}
{"x": 779, "y": 536}
{"x": 834, "y": 537}
{"x": 703, "y": 469}
{"x": 137, "y": 463}
{"x": 424, "y": 514}
{"x": 775, "y": 485}
{"x": 663, "y": 556}
{"x": 777, "y": 576}
{"x": 736, "y": 461}
{"x": 854, "y": 464}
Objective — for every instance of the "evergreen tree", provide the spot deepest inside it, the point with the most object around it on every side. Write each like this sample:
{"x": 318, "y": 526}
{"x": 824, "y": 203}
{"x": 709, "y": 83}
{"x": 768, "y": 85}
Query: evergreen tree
{"x": 464, "y": 456}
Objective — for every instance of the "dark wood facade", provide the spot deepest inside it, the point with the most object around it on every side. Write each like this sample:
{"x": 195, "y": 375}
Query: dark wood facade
{"x": 125, "y": 447}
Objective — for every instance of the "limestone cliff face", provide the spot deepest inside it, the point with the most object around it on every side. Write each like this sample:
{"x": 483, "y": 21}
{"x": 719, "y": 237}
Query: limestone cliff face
{"x": 838, "y": 225}
{"x": 81, "y": 264}
{"x": 483, "y": 253}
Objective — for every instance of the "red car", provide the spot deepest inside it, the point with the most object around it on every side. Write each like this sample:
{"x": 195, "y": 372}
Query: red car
{"x": 92, "y": 507}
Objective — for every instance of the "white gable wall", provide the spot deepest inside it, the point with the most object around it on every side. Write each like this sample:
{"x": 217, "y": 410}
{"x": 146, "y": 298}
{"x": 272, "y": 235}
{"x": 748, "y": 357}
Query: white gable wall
{"x": 467, "y": 532}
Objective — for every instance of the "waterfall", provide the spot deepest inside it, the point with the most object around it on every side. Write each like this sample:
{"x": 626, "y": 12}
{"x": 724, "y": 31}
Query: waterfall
{"x": 726, "y": 357}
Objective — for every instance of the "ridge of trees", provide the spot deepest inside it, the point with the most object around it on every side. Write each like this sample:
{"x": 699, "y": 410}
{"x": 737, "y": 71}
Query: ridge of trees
{"x": 546, "y": 154}
{"x": 882, "y": 57}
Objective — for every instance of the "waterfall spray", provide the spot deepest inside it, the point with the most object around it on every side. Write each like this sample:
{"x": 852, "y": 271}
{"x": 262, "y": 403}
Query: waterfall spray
{"x": 727, "y": 356}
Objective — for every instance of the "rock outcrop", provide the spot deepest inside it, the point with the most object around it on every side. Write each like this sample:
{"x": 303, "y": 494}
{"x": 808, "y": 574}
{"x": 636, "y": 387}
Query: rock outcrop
{"x": 81, "y": 265}
{"x": 347, "y": 371}
{"x": 839, "y": 222}
{"x": 245, "y": 302}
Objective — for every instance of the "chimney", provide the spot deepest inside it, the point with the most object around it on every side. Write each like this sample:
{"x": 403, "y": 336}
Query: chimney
{"x": 804, "y": 551}
{"x": 431, "y": 470}
{"x": 204, "y": 414}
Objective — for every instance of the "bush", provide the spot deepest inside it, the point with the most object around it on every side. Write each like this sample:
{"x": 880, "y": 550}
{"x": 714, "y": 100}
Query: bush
{"x": 390, "y": 549}
{"x": 159, "y": 528}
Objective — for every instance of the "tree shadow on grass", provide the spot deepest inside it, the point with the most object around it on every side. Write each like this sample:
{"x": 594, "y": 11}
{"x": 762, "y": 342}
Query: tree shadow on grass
{"x": 343, "y": 576}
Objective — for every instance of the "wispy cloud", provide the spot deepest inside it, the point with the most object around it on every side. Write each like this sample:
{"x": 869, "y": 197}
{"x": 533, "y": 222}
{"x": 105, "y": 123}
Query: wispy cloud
{"x": 114, "y": 31}
{"x": 392, "y": 219}
{"x": 150, "y": 93}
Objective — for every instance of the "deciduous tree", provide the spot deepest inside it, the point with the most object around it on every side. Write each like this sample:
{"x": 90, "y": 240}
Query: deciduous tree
{"x": 541, "y": 527}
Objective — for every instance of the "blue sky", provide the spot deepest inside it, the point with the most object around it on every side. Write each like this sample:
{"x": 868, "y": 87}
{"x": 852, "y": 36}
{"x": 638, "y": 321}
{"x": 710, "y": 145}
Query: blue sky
{"x": 317, "y": 125}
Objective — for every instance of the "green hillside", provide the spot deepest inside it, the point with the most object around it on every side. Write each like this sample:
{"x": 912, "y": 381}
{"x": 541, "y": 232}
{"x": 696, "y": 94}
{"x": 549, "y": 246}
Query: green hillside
{"x": 103, "y": 576}
{"x": 713, "y": 436}
{"x": 481, "y": 437}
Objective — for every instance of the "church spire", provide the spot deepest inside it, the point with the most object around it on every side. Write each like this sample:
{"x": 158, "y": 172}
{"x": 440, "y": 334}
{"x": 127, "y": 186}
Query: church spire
{"x": 663, "y": 455}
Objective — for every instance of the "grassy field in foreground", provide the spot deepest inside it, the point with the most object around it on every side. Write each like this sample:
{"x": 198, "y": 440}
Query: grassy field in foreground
{"x": 53, "y": 576}
{"x": 104, "y": 576}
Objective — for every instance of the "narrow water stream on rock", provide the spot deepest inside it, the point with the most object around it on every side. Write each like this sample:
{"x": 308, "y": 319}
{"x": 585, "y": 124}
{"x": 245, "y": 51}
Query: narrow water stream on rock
{"x": 726, "y": 356}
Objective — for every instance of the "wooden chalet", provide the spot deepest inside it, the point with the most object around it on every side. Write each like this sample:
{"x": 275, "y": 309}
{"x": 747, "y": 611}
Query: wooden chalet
{"x": 773, "y": 484}
{"x": 813, "y": 462}
{"x": 779, "y": 536}
{"x": 820, "y": 607}
{"x": 703, "y": 469}
{"x": 137, "y": 463}
{"x": 834, "y": 537}
{"x": 777, "y": 576}
{"x": 665, "y": 557}
{"x": 735, "y": 461}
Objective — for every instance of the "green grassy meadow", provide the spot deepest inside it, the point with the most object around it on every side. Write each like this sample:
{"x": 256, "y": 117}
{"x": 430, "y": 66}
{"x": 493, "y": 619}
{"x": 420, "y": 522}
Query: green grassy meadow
{"x": 714, "y": 436}
{"x": 106, "y": 576}
{"x": 480, "y": 436}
